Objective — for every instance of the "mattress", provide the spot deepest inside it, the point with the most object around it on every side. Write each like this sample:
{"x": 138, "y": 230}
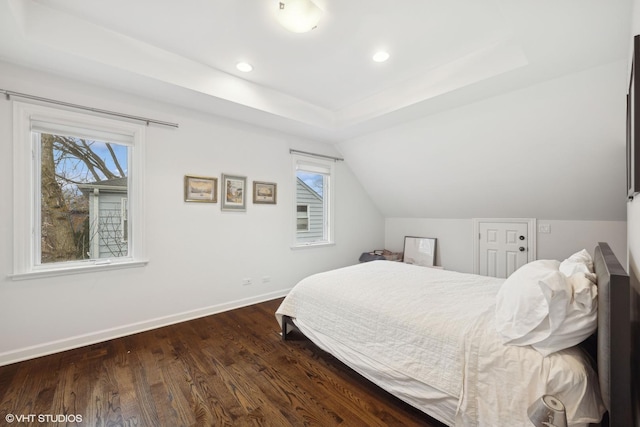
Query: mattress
{"x": 436, "y": 403}
{"x": 427, "y": 336}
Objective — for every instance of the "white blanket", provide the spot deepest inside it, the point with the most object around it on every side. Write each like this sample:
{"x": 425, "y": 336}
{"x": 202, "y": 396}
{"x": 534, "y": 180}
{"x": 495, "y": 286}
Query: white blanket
{"x": 436, "y": 326}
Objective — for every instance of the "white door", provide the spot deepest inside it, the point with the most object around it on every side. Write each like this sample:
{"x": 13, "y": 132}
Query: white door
{"x": 503, "y": 246}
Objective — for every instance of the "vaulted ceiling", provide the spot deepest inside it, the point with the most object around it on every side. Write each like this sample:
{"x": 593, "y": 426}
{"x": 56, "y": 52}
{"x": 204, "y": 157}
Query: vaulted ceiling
{"x": 322, "y": 84}
{"x": 485, "y": 108}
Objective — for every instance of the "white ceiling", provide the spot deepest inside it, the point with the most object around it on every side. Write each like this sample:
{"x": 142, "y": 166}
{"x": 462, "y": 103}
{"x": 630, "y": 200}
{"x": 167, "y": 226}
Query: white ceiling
{"x": 322, "y": 84}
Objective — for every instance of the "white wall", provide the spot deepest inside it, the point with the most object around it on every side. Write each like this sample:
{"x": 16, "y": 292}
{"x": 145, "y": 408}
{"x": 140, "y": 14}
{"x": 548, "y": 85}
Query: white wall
{"x": 567, "y": 237}
{"x": 456, "y": 238}
{"x": 198, "y": 254}
{"x": 454, "y": 248}
{"x": 552, "y": 150}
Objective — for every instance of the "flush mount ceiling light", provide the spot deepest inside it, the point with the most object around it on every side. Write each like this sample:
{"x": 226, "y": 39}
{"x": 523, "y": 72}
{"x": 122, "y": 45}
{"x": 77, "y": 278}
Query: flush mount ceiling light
{"x": 298, "y": 16}
{"x": 244, "y": 67}
{"x": 381, "y": 56}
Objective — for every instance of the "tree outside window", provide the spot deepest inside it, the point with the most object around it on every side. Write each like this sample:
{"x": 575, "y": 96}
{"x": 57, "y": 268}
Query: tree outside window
{"x": 82, "y": 183}
{"x": 78, "y": 183}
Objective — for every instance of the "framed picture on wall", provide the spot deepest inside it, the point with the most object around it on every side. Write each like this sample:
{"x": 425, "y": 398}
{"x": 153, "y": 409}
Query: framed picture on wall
{"x": 633, "y": 137}
{"x": 234, "y": 193}
{"x": 264, "y": 192}
{"x": 419, "y": 251}
{"x": 200, "y": 189}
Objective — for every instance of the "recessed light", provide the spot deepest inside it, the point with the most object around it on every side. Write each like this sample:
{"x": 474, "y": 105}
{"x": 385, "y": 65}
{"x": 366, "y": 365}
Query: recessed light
{"x": 244, "y": 67}
{"x": 381, "y": 56}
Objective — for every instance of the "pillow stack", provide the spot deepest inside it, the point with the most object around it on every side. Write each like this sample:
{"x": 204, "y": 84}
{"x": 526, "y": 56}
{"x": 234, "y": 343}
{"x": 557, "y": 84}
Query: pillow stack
{"x": 549, "y": 305}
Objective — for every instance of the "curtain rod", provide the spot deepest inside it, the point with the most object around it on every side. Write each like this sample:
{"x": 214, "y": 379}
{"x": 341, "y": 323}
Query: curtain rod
{"x": 335, "y": 159}
{"x": 9, "y": 94}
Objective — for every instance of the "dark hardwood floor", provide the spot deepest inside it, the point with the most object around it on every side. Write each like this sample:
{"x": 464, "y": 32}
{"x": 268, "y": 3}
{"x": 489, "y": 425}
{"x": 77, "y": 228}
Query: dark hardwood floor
{"x": 228, "y": 369}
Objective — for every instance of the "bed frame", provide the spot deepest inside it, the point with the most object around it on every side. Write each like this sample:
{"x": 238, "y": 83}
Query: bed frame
{"x": 615, "y": 346}
{"x": 617, "y": 340}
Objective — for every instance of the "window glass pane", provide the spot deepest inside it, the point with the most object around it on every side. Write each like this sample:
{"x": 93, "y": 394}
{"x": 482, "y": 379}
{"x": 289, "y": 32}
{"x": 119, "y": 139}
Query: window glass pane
{"x": 311, "y": 202}
{"x": 303, "y": 218}
{"x": 83, "y": 205}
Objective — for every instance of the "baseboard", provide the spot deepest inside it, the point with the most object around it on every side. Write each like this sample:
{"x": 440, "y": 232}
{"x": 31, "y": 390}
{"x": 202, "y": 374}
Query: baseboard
{"x": 77, "y": 341}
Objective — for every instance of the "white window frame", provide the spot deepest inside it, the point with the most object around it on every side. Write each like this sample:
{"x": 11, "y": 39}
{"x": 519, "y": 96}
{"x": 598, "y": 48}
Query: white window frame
{"x": 26, "y": 191}
{"x": 326, "y": 167}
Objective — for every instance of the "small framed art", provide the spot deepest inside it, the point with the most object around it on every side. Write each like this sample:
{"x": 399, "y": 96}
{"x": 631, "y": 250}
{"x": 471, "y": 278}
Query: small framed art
{"x": 234, "y": 193}
{"x": 265, "y": 192}
{"x": 200, "y": 189}
{"x": 420, "y": 251}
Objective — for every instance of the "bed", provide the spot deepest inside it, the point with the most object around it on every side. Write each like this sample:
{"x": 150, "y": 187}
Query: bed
{"x": 434, "y": 339}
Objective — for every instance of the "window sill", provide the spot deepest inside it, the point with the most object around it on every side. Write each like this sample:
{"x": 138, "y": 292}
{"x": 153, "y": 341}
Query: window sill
{"x": 78, "y": 269}
{"x": 312, "y": 245}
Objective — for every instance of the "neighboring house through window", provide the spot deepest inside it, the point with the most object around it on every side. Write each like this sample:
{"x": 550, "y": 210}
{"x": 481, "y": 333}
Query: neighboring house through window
{"x": 107, "y": 221}
{"x": 78, "y": 186}
{"x": 314, "y": 207}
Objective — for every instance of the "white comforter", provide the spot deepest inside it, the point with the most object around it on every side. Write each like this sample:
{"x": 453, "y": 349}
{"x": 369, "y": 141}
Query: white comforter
{"x": 436, "y": 327}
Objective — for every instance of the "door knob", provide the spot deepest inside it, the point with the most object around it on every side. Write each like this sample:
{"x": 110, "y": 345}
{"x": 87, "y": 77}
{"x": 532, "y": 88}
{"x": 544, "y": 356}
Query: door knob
{"x": 521, "y": 249}
{"x": 521, "y": 237}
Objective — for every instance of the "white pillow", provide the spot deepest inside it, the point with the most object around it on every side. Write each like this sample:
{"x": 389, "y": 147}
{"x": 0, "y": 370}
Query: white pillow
{"x": 532, "y": 303}
{"x": 581, "y": 319}
{"x": 580, "y": 262}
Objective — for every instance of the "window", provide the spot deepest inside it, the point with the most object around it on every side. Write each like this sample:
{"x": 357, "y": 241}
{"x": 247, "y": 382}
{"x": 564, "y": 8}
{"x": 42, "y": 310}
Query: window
{"x": 303, "y": 218}
{"x": 124, "y": 219}
{"x": 78, "y": 186}
{"x": 313, "y": 201}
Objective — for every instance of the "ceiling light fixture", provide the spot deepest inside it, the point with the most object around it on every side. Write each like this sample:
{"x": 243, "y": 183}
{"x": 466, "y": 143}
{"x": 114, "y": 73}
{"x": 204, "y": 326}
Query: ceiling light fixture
{"x": 298, "y": 16}
{"x": 381, "y": 56}
{"x": 244, "y": 67}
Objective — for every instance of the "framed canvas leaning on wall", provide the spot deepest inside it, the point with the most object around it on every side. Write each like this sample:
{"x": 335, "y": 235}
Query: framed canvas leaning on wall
{"x": 420, "y": 251}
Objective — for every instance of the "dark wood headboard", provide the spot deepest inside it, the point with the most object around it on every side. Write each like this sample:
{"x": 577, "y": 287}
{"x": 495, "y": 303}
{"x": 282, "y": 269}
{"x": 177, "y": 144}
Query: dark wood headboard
{"x": 635, "y": 348}
{"x": 614, "y": 351}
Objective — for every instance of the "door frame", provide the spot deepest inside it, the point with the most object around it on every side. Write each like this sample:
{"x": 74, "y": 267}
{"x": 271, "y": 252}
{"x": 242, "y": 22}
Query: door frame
{"x": 531, "y": 231}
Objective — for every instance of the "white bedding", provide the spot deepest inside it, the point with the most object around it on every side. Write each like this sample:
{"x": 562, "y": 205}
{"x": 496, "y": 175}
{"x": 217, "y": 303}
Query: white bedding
{"x": 390, "y": 321}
